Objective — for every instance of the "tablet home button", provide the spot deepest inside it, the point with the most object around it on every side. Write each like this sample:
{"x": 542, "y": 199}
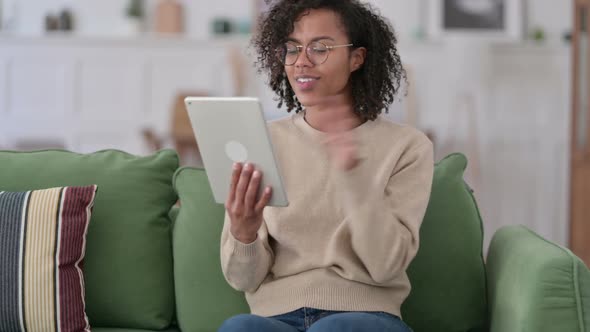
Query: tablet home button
{"x": 236, "y": 151}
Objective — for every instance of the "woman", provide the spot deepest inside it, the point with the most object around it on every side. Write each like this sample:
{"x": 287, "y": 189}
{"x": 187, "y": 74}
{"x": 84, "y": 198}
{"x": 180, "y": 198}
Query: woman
{"x": 335, "y": 259}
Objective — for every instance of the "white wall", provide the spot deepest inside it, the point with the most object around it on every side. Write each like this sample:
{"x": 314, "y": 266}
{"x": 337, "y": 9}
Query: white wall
{"x": 106, "y": 17}
{"x": 554, "y": 16}
{"x": 522, "y": 125}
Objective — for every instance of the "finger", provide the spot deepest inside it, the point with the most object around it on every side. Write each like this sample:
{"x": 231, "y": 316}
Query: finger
{"x": 243, "y": 184}
{"x": 332, "y": 140}
{"x": 335, "y": 142}
{"x": 345, "y": 141}
{"x": 252, "y": 191}
{"x": 353, "y": 139}
{"x": 235, "y": 176}
{"x": 328, "y": 140}
{"x": 342, "y": 126}
{"x": 264, "y": 199}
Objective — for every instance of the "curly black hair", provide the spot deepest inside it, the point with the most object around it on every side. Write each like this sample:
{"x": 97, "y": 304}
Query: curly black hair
{"x": 374, "y": 85}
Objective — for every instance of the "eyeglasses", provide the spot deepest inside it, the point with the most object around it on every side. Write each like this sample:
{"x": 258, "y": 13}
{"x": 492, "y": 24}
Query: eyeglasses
{"x": 317, "y": 52}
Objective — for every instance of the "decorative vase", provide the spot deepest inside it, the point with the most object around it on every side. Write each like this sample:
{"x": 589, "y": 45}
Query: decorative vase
{"x": 169, "y": 17}
{"x": 134, "y": 14}
{"x": 66, "y": 20}
{"x": 132, "y": 26}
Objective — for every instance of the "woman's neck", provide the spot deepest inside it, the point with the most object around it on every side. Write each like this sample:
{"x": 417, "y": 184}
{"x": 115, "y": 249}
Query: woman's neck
{"x": 333, "y": 116}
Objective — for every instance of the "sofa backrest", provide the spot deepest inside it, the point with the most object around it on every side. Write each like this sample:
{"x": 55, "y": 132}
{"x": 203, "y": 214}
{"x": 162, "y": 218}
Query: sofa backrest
{"x": 128, "y": 266}
{"x": 203, "y": 297}
{"x": 448, "y": 274}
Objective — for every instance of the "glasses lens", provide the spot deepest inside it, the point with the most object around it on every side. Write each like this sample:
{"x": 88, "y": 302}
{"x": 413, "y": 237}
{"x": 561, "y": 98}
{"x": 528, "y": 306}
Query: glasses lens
{"x": 317, "y": 53}
{"x": 288, "y": 54}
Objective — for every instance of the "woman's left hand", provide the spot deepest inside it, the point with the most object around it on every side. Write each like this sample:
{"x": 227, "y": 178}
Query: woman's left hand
{"x": 343, "y": 150}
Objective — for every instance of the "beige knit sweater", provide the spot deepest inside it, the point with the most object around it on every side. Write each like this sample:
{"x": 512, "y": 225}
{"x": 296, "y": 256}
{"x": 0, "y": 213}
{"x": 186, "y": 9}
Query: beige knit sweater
{"x": 346, "y": 239}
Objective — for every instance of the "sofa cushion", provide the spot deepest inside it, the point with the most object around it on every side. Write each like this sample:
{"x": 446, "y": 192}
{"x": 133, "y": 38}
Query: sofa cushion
{"x": 128, "y": 267}
{"x": 203, "y": 297}
{"x": 448, "y": 273}
{"x": 42, "y": 242}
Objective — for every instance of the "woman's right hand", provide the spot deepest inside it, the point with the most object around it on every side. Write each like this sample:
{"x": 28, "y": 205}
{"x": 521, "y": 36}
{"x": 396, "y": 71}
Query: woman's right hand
{"x": 242, "y": 205}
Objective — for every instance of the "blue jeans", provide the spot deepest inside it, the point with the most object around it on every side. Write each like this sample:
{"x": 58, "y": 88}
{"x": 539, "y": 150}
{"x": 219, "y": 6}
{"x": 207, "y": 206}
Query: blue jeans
{"x": 315, "y": 320}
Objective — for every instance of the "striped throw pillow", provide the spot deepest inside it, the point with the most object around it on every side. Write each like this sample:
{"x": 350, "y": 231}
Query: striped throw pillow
{"x": 42, "y": 244}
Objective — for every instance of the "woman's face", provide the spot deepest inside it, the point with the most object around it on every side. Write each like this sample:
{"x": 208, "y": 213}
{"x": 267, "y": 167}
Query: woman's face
{"x": 322, "y": 83}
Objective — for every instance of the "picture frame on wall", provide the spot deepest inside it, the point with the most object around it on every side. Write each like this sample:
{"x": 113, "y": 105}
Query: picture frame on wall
{"x": 492, "y": 19}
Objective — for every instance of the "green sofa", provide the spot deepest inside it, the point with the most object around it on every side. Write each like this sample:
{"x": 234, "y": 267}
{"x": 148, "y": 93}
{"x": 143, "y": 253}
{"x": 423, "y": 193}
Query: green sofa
{"x": 153, "y": 266}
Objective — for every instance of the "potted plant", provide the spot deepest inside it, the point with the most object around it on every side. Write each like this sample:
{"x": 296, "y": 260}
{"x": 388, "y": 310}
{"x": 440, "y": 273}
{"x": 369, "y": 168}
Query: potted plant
{"x": 135, "y": 13}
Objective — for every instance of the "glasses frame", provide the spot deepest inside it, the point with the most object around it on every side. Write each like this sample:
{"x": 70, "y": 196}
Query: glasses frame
{"x": 300, "y": 48}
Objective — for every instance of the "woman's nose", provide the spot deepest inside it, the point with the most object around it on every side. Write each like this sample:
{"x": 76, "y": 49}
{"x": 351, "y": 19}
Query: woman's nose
{"x": 303, "y": 60}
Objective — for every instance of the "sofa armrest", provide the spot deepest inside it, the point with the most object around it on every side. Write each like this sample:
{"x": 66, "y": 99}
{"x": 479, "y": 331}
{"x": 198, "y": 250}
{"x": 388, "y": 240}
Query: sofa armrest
{"x": 535, "y": 285}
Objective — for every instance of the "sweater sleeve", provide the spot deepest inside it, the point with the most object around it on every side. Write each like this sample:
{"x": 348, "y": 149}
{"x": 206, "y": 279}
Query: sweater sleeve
{"x": 245, "y": 266}
{"x": 383, "y": 226}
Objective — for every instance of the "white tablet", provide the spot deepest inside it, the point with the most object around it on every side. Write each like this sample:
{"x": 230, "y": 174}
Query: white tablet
{"x": 233, "y": 129}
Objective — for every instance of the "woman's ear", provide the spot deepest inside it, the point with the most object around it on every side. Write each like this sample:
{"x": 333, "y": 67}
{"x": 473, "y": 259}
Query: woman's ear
{"x": 357, "y": 58}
